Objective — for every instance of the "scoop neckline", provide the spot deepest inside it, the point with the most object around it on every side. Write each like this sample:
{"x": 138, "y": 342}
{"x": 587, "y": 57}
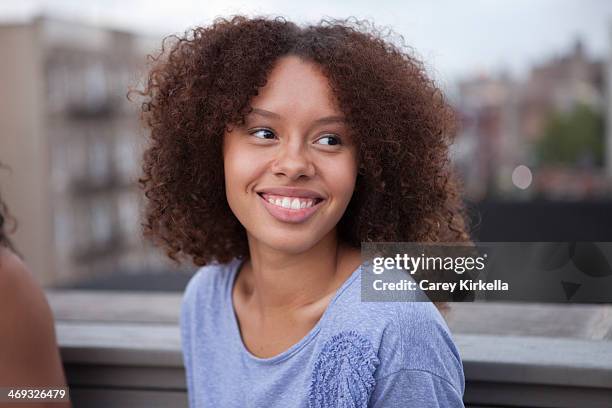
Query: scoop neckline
{"x": 234, "y": 268}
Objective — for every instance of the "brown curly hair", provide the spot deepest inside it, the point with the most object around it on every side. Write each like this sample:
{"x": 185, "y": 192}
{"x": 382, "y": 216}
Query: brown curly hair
{"x": 5, "y": 218}
{"x": 202, "y": 83}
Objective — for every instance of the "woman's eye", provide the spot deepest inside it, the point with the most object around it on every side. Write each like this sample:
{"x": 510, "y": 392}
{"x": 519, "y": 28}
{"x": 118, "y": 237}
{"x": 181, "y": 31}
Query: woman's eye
{"x": 330, "y": 140}
{"x": 263, "y": 134}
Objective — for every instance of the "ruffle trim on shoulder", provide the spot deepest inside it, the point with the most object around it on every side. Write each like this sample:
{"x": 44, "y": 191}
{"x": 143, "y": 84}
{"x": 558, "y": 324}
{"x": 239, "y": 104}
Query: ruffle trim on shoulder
{"x": 343, "y": 375}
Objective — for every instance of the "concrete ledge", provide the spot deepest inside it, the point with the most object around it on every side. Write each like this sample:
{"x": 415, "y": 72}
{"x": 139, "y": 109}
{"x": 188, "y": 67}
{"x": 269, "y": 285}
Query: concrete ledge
{"x": 118, "y": 362}
{"x": 537, "y": 360}
{"x": 536, "y": 371}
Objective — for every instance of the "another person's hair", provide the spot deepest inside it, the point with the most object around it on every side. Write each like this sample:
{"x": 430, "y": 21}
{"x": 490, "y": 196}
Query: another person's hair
{"x": 5, "y": 218}
{"x": 4, "y": 239}
{"x": 202, "y": 83}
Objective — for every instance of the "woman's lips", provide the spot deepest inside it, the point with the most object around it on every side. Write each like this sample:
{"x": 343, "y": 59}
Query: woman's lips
{"x": 288, "y": 214}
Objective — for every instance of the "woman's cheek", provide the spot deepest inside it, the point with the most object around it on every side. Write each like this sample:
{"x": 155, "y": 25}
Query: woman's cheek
{"x": 344, "y": 175}
{"x": 242, "y": 168}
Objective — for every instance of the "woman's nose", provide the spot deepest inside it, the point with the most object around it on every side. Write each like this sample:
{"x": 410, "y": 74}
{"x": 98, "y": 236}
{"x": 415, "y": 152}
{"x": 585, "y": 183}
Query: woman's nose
{"x": 294, "y": 161}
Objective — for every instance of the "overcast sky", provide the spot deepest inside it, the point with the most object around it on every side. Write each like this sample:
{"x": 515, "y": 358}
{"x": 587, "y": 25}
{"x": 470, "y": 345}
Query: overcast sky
{"x": 455, "y": 38}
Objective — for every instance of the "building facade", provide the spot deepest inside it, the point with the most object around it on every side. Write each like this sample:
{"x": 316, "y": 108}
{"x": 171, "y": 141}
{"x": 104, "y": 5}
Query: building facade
{"x": 72, "y": 143}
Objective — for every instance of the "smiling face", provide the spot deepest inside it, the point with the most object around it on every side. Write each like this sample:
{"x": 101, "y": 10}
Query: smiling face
{"x": 290, "y": 170}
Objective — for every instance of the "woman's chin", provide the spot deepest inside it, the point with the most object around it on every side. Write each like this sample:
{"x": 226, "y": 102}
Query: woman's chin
{"x": 283, "y": 242}
{"x": 293, "y": 248}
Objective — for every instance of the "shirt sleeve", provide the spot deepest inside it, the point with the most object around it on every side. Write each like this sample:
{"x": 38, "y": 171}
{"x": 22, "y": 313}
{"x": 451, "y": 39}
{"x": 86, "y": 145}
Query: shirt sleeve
{"x": 415, "y": 389}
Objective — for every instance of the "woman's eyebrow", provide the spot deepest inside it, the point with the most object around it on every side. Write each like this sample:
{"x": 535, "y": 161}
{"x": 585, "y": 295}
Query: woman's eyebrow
{"x": 325, "y": 120}
{"x": 265, "y": 113}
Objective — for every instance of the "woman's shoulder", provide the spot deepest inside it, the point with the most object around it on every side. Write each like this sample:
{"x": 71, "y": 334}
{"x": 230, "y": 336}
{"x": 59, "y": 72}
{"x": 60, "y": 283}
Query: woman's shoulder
{"x": 425, "y": 341}
{"x": 17, "y": 285}
{"x": 409, "y": 335}
{"x": 30, "y": 353}
{"x": 208, "y": 283}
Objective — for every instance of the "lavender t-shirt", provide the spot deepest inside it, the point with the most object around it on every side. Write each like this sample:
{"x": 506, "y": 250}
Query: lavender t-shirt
{"x": 359, "y": 354}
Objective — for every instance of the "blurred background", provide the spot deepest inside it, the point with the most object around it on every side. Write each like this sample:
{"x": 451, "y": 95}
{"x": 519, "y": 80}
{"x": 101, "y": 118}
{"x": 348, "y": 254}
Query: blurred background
{"x": 530, "y": 82}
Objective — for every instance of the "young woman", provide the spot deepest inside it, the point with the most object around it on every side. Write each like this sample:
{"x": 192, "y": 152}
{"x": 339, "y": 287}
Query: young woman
{"x": 29, "y": 356}
{"x": 275, "y": 151}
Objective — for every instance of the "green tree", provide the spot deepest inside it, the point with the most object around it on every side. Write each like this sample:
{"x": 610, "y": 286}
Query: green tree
{"x": 575, "y": 138}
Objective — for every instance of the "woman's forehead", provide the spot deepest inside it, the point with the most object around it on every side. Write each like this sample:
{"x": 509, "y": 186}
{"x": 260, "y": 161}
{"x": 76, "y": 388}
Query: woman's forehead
{"x": 297, "y": 85}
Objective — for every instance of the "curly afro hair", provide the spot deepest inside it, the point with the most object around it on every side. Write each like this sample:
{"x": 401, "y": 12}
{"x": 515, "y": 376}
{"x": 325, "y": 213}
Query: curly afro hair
{"x": 202, "y": 83}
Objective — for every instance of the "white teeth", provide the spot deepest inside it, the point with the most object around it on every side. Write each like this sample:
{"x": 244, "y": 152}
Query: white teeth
{"x": 291, "y": 202}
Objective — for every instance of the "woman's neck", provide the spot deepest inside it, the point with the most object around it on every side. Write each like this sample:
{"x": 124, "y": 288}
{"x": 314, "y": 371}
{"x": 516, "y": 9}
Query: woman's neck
{"x": 279, "y": 284}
